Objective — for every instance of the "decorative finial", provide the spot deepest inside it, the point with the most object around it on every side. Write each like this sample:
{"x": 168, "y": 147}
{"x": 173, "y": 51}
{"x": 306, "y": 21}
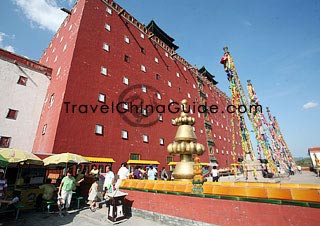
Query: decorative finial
{"x": 249, "y": 82}
{"x": 225, "y": 49}
{"x": 268, "y": 110}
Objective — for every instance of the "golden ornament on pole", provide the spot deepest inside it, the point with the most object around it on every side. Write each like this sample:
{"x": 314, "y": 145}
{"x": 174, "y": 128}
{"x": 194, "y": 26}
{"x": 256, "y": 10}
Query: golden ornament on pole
{"x": 185, "y": 144}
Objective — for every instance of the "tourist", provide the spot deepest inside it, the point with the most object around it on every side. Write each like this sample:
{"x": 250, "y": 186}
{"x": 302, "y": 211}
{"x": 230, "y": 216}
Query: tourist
{"x": 215, "y": 174}
{"x": 108, "y": 185}
{"x": 137, "y": 174}
{"x": 94, "y": 171}
{"x": 93, "y": 193}
{"x": 65, "y": 189}
{"x": 47, "y": 194}
{"x": 299, "y": 169}
{"x": 79, "y": 177}
{"x": 123, "y": 173}
{"x": 164, "y": 174}
{"x": 152, "y": 172}
{"x": 3, "y": 185}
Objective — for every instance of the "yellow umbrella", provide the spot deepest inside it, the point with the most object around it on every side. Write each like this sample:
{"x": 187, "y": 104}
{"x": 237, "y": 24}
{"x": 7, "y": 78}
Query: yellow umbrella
{"x": 16, "y": 156}
{"x": 63, "y": 159}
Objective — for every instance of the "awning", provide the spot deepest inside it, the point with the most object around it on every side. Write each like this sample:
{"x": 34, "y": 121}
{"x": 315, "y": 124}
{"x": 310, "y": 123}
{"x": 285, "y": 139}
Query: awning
{"x": 175, "y": 163}
{"x": 98, "y": 159}
{"x": 143, "y": 162}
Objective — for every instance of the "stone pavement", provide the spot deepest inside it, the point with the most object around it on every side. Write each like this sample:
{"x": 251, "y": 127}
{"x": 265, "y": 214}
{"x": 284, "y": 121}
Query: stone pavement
{"x": 79, "y": 218}
{"x": 306, "y": 177}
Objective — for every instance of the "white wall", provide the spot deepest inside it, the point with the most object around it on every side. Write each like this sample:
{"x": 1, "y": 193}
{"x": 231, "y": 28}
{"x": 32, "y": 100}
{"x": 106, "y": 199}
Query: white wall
{"x": 28, "y": 100}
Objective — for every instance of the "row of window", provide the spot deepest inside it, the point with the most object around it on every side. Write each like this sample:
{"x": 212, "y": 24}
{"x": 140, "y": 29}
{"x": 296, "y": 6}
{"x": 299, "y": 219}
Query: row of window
{"x": 125, "y": 134}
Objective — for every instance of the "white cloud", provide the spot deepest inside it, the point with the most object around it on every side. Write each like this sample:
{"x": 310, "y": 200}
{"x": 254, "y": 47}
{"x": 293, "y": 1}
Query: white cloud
{"x": 310, "y": 104}
{"x": 3, "y": 46}
{"x": 9, "y": 48}
{"x": 43, "y": 13}
{"x": 247, "y": 23}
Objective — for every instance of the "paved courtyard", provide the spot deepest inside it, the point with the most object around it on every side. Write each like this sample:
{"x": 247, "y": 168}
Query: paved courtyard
{"x": 86, "y": 217}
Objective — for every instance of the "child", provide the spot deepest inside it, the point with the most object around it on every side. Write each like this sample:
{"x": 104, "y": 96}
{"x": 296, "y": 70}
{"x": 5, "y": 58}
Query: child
{"x": 92, "y": 196}
{"x": 60, "y": 205}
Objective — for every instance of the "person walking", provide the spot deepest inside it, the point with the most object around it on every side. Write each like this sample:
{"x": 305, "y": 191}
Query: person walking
{"x": 65, "y": 189}
{"x": 123, "y": 173}
{"x": 215, "y": 174}
{"x": 164, "y": 174}
{"x": 108, "y": 185}
{"x": 152, "y": 173}
{"x": 93, "y": 194}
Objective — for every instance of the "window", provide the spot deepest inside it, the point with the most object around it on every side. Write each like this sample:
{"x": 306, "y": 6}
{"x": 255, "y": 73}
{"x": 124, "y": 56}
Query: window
{"x": 194, "y": 86}
{"x": 125, "y": 106}
{"x": 99, "y": 129}
{"x": 173, "y": 122}
{"x": 217, "y": 151}
{"x": 134, "y": 156}
{"x": 124, "y": 134}
{"x": 141, "y": 35}
{"x": 51, "y": 100}
{"x": 157, "y": 76}
{"x": 5, "y": 142}
{"x": 55, "y": 59}
{"x": 144, "y": 112}
{"x": 143, "y": 50}
{"x": 106, "y": 47}
{"x": 166, "y": 54}
{"x": 198, "y": 115}
{"x": 169, "y": 83}
{"x": 189, "y": 95}
{"x": 64, "y": 48}
{"x": 109, "y": 10}
{"x": 127, "y": 58}
{"x": 194, "y": 129}
{"x": 169, "y": 159}
{"x": 161, "y": 141}
{"x": 61, "y": 39}
{"x": 156, "y": 60}
{"x": 160, "y": 117}
{"x": 70, "y": 27}
{"x": 145, "y": 138}
{"x": 222, "y": 152}
{"x": 125, "y": 81}
{"x": 201, "y": 131}
{"x": 12, "y": 114}
{"x": 144, "y": 89}
{"x": 22, "y": 80}
{"x": 178, "y": 75}
{"x": 58, "y": 72}
{"x": 103, "y": 71}
{"x": 227, "y": 152}
{"x": 143, "y": 68}
{"x": 102, "y": 98}
{"x": 126, "y": 39}
{"x": 107, "y": 27}
{"x": 184, "y": 68}
{"x": 159, "y": 96}
{"x": 44, "y": 129}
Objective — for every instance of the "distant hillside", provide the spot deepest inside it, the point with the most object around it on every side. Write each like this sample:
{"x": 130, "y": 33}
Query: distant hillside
{"x": 304, "y": 162}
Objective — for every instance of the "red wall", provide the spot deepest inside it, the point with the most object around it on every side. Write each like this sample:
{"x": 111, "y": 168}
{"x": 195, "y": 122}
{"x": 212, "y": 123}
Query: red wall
{"x": 224, "y": 212}
{"x": 81, "y": 82}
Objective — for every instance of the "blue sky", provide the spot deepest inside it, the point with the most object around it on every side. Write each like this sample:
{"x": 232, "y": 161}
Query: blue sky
{"x": 274, "y": 43}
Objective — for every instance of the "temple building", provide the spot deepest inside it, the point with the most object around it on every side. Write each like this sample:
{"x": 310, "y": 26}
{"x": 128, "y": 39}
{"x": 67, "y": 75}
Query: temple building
{"x": 116, "y": 87}
{"x": 23, "y": 88}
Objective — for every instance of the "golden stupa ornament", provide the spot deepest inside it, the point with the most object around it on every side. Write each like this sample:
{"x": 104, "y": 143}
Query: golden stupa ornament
{"x": 185, "y": 144}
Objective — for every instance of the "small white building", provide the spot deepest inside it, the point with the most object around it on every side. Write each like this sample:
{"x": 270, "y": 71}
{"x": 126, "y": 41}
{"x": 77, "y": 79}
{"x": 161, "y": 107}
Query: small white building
{"x": 23, "y": 88}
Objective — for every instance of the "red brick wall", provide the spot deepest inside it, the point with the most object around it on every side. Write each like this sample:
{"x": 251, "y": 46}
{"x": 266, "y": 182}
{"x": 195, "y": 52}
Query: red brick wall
{"x": 224, "y": 212}
{"x": 80, "y": 82}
